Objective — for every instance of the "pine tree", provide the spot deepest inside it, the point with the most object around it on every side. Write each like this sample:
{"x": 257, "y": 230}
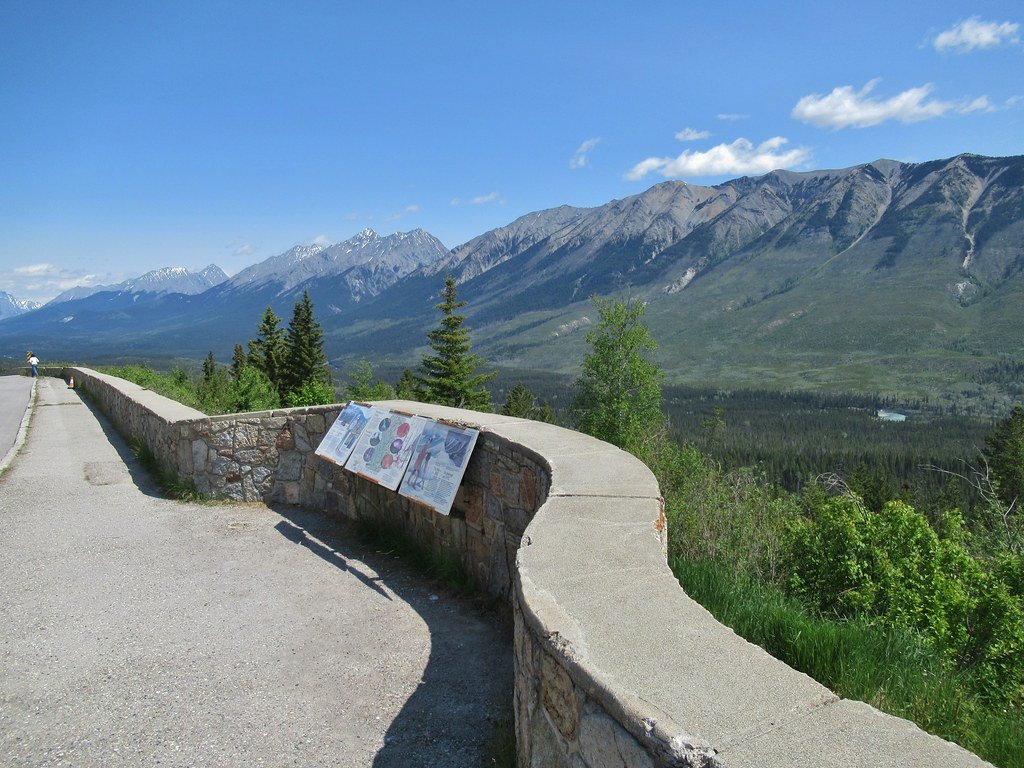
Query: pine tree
{"x": 520, "y": 402}
{"x": 304, "y": 358}
{"x": 619, "y": 392}
{"x": 1004, "y": 454}
{"x": 408, "y": 387}
{"x": 238, "y": 361}
{"x": 212, "y": 388}
{"x": 266, "y": 351}
{"x": 448, "y": 377}
{"x": 209, "y": 368}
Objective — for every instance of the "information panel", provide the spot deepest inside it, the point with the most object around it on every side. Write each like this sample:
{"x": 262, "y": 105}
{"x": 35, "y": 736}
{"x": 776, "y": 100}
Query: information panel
{"x": 341, "y": 437}
{"x": 383, "y": 449}
{"x": 439, "y": 460}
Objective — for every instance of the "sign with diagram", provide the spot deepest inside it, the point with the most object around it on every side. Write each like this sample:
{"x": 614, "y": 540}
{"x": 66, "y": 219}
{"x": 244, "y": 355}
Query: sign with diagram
{"x": 438, "y": 462}
{"x": 382, "y": 450}
{"x": 341, "y": 437}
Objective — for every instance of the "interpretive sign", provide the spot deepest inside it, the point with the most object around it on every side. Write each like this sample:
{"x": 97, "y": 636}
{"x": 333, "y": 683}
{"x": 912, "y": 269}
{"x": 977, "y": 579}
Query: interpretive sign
{"x": 439, "y": 460}
{"x": 341, "y": 437}
{"x": 382, "y": 450}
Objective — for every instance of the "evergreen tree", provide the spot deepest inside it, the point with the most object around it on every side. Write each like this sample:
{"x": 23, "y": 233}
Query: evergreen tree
{"x": 519, "y": 402}
{"x": 266, "y": 351}
{"x": 544, "y": 413}
{"x": 304, "y": 358}
{"x": 1004, "y": 453}
{"x": 448, "y": 376}
{"x": 209, "y": 368}
{"x": 238, "y": 361}
{"x": 408, "y": 388}
{"x": 212, "y": 388}
{"x": 619, "y": 392}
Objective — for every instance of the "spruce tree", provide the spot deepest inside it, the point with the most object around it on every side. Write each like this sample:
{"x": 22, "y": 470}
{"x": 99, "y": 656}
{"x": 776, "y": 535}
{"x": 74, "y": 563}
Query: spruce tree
{"x": 1004, "y": 454}
{"x": 408, "y": 387}
{"x": 520, "y": 402}
{"x": 238, "y": 361}
{"x": 266, "y": 351}
{"x": 209, "y": 368}
{"x": 304, "y": 358}
{"x": 448, "y": 376}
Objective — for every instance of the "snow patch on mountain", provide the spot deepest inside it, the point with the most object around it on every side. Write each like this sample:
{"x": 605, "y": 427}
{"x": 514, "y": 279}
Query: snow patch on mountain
{"x": 164, "y": 280}
{"x": 12, "y": 307}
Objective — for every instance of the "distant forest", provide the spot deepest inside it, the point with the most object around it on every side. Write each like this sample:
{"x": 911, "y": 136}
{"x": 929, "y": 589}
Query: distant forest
{"x": 793, "y": 437}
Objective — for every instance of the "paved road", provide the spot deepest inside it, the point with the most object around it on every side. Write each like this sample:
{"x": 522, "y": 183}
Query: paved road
{"x": 137, "y": 631}
{"x": 14, "y": 393}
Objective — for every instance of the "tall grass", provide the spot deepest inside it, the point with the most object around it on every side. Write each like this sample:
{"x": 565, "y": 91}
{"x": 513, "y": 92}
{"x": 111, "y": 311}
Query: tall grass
{"x": 893, "y": 671}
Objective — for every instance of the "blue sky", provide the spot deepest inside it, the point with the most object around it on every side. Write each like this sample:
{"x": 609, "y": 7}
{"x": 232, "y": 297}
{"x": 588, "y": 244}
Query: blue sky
{"x": 140, "y": 135}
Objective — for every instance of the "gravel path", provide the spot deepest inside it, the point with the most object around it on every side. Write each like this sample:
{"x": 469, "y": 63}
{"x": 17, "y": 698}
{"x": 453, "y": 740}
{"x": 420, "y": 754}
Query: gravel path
{"x": 137, "y": 631}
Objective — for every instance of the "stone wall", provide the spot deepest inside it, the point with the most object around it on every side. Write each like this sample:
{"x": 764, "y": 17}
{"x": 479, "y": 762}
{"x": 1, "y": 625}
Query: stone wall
{"x": 614, "y": 664}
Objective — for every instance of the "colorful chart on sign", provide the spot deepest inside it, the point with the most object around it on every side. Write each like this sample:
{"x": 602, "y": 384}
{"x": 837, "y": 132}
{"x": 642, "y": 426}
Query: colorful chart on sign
{"x": 341, "y": 437}
{"x": 438, "y": 462}
{"x": 382, "y": 450}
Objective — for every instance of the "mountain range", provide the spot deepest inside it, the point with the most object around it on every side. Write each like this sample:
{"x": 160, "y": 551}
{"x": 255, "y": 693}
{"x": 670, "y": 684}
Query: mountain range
{"x": 10, "y": 306}
{"x": 166, "y": 280}
{"x": 899, "y": 277}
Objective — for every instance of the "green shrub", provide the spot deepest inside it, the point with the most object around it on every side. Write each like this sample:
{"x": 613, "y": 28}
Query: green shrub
{"x": 847, "y": 561}
{"x": 252, "y": 391}
{"x": 312, "y": 392}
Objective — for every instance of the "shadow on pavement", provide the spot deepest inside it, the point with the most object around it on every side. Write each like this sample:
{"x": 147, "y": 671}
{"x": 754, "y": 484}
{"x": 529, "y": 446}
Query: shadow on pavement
{"x": 140, "y": 477}
{"x": 449, "y": 721}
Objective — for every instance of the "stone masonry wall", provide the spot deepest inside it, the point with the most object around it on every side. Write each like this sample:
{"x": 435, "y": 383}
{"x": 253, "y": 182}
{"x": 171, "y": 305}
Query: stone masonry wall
{"x": 614, "y": 665}
{"x": 269, "y": 456}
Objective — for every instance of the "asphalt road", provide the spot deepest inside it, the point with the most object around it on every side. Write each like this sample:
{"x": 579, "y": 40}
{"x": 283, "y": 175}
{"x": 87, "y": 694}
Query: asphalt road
{"x": 14, "y": 394}
{"x": 137, "y": 631}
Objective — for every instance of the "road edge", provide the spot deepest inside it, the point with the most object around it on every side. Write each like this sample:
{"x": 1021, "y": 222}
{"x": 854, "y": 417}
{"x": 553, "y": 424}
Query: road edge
{"x": 6, "y": 461}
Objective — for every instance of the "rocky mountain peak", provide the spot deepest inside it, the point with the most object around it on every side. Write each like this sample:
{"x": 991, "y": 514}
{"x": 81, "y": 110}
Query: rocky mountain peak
{"x": 11, "y": 307}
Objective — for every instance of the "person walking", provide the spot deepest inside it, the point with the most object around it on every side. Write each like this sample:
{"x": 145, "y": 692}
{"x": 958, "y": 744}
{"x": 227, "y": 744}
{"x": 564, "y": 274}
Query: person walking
{"x": 34, "y": 362}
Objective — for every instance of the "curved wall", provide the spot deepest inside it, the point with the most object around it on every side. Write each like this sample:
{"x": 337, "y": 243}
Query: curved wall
{"x": 615, "y": 665}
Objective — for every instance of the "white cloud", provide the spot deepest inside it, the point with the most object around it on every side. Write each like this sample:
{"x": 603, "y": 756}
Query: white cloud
{"x": 732, "y": 116}
{"x": 975, "y": 33}
{"x": 43, "y": 281}
{"x": 34, "y": 270}
{"x": 350, "y": 217}
{"x": 845, "y": 108}
{"x": 244, "y": 250}
{"x": 980, "y": 104}
{"x": 582, "y": 154}
{"x": 321, "y": 240}
{"x": 690, "y": 134}
{"x": 480, "y": 200}
{"x": 740, "y": 157}
{"x": 404, "y": 212}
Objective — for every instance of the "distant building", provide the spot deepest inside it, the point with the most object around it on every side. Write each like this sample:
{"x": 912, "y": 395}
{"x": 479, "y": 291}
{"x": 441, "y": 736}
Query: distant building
{"x": 891, "y": 415}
